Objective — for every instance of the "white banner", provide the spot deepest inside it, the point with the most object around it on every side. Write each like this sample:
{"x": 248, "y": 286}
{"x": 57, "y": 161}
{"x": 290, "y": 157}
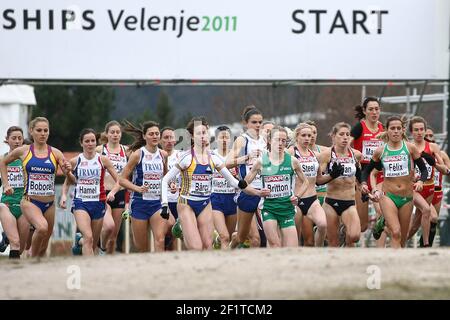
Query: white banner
{"x": 224, "y": 40}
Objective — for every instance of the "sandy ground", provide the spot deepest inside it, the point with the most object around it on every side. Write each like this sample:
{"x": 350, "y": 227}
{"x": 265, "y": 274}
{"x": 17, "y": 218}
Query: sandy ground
{"x": 300, "y": 273}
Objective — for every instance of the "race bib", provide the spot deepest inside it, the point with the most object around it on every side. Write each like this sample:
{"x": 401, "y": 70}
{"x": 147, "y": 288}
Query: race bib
{"x": 369, "y": 147}
{"x": 15, "y": 177}
{"x": 221, "y": 185}
{"x": 153, "y": 182}
{"x": 41, "y": 184}
{"x": 309, "y": 166}
{"x": 279, "y": 186}
{"x": 349, "y": 167}
{"x": 396, "y": 166}
{"x": 256, "y": 183}
{"x": 436, "y": 178}
{"x": 201, "y": 185}
{"x": 88, "y": 189}
{"x": 349, "y": 170}
{"x": 118, "y": 162}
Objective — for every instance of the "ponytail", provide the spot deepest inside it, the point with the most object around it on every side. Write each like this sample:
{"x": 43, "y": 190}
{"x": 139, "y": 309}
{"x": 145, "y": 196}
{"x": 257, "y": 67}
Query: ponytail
{"x": 137, "y": 133}
{"x": 359, "y": 114}
{"x": 103, "y": 138}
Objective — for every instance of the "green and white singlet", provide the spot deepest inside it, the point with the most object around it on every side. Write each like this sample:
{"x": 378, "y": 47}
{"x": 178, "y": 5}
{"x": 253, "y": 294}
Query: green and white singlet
{"x": 279, "y": 180}
{"x": 16, "y": 181}
{"x": 396, "y": 163}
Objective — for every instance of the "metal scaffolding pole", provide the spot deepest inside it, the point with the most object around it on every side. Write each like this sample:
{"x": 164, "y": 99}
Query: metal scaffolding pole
{"x": 408, "y": 100}
{"x": 445, "y": 105}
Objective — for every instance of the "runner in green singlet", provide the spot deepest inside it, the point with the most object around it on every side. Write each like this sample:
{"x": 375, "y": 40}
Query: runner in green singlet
{"x": 277, "y": 168}
{"x": 394, "y": 158}
{"x": 15, "y": 224}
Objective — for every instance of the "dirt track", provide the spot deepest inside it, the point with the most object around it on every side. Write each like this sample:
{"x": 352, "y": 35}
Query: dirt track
{"x": 300, "y": 273}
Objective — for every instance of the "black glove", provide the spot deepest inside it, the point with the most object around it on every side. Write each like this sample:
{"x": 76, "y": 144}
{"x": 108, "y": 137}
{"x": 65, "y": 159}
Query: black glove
{"x": 337, "y": 170}
{"x": 164, "y": 213}
{"x": 364, "y": 197}
{"x": 428, "y": 158}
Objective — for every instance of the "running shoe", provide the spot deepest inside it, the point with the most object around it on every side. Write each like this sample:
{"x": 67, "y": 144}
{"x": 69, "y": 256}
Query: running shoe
{"x": 76, "y": 249}
{"x": 177, "y": 232}
{"x": 125, "y": 215}
{"x": 378, "y": 228}
{"x": 342, "y": 235}
{"x": 217, "y": 244}
{"x": 244, "y": 245}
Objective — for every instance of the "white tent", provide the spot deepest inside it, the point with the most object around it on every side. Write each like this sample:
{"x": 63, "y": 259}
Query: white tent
{"x": 15, "y": 103}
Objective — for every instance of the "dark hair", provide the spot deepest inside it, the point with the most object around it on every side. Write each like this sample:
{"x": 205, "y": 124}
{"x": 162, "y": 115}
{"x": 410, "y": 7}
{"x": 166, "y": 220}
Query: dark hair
{"x": 11, "y": 130}
{"x": 138, "y": 134}
{"x": 222, "y": 128}
{"x": 428, "y": 139}
{"x": 165, "y": 129}
{"x": 359, "y": 110}
{"x": 248, "y": 112}
{"x": 103, "y": 137}
{"x": 86, "y": 131}
{"x": 273, "y": 131}
{"x": 394, "y": 118}
{"x": 383, "y": 136}
{"x": 414, "y": 120}
{"x": 195, "y": 122}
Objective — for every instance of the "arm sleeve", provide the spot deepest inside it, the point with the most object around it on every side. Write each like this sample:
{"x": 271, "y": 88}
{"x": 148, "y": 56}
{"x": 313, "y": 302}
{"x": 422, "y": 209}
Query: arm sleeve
{"x": 428, "y": 158}
{"x": 356, "y": 131}
{"x": 365, "y": 174}
{"x": 217, "y": 161}
{"x": 165, "y": 183}
{"x": 358, "y": 174}
{"x": 229, "y": 177}
{"x": 423, "y": 169}
{"x": 185, "y": 160}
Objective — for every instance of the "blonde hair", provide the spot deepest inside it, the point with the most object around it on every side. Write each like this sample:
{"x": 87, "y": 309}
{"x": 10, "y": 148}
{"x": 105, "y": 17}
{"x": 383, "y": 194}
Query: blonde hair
{"x": 103, "y": 136}
{"x": 300, "y": 127}
{"x": 339, "y": 126}
{"x": 33, "y": 122}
